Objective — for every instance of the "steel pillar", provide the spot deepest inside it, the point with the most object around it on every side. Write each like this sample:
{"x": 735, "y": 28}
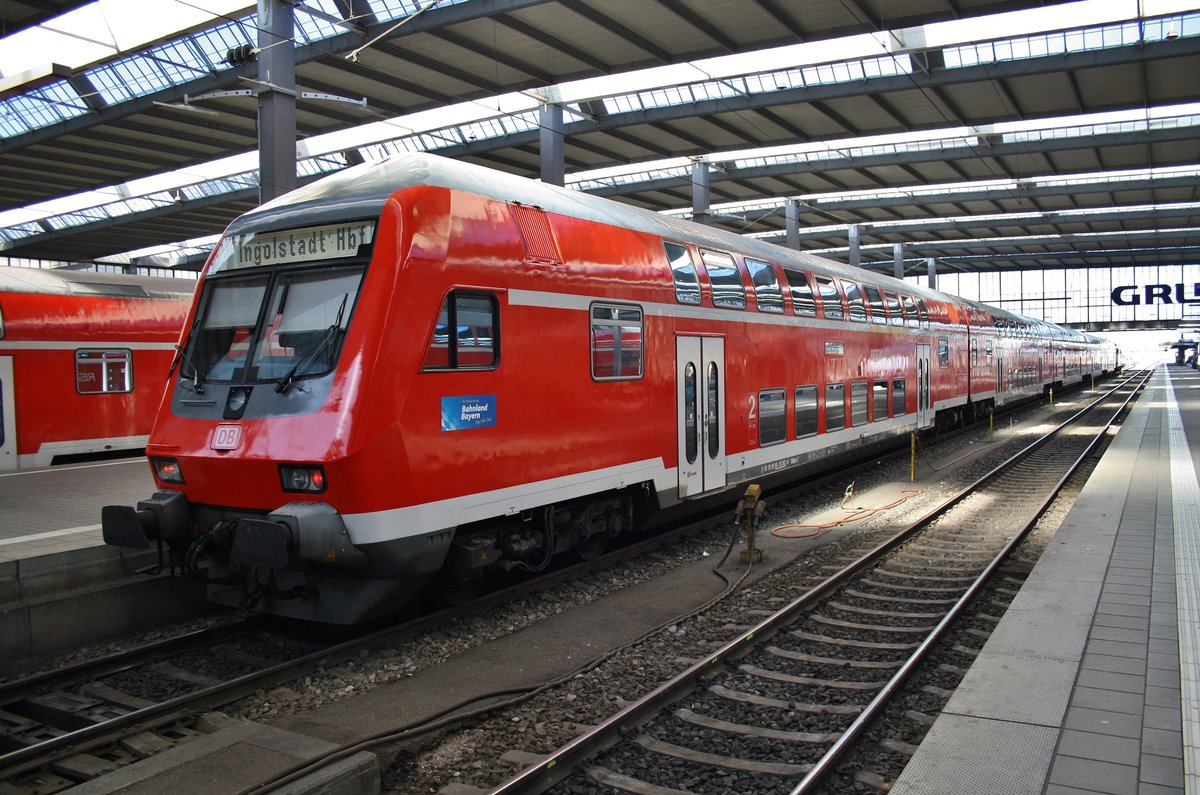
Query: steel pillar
{"x": 276, "y": 99}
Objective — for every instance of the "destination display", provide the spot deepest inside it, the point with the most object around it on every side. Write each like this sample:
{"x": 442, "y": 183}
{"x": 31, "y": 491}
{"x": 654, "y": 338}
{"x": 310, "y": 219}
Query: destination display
{"x": 309, "y": 244}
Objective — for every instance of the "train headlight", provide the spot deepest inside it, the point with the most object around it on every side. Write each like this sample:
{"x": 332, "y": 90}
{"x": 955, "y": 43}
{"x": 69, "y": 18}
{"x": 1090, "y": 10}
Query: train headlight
{"x": 167, "y": 470}
{"x": 302, "y": 478}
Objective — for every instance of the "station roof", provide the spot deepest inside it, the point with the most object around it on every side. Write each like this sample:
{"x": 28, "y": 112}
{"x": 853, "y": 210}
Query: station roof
{"x": 1070, "y": 146}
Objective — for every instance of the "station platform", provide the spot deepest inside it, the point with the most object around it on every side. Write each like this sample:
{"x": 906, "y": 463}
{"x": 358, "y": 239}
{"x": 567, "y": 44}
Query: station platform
{"x": 1091, "y": 682}
{"x": 52, "y": 553}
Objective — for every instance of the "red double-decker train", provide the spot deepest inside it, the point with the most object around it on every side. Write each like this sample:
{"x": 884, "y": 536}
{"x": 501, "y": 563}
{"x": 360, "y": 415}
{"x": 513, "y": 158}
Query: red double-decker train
{"x": 420, "y": 367}
{"x": 83, "y": 361}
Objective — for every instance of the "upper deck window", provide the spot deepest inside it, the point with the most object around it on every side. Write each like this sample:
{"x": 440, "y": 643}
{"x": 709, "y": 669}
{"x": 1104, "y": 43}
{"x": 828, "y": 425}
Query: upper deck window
{"x": 875, "y": 300}
{"x": 854, "y": 299}
{"x": 687, "y": 284}
{"x": 893, "y": 306}
{"x": 279, "y": 247}
{"x": 767, "y": 294}
{"x": 803, "y": 302}
{"x": 831, "y": 297}
{"x": 910, "y": 310}
{"x": 727, "y": 286}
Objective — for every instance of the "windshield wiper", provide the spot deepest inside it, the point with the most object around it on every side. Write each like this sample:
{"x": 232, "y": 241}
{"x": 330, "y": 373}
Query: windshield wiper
{"x": 181, "y": 354}
{"x": 285, "y": 383}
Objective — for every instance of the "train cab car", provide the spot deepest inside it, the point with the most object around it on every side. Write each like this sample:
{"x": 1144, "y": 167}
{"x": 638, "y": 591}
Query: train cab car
{"x": 421, "y": 368}
{"x": 83, "y": 361}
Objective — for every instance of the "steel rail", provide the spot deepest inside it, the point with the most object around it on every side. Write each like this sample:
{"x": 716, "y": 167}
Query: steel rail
{"x": 876, "y": 706}
{"x": 554, "y": 767}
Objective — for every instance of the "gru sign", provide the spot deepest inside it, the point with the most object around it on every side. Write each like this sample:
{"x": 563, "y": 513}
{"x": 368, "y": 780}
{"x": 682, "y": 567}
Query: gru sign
{"x": 1132, "y": 295}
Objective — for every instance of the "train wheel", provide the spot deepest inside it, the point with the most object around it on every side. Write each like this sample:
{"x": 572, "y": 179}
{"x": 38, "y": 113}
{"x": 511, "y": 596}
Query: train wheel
{"x": 457, "y": 592}
{"x": 592, "y": 547}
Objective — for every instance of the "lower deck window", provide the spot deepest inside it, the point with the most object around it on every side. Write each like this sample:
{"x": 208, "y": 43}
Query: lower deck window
{"x": 772, "y": 417}
{"x": 879, "y": 398}
{"x": 806, "y": 411}
{"x": 898, "y": 397}
{"x": 858, "y": 403}
{"x": 835, "y": 407}
{"x": 100, "y": 372}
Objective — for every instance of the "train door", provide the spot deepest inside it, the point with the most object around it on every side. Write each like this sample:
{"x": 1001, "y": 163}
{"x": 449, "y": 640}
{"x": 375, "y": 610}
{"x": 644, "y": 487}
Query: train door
{"x": 8, "y": 416}
{"x": 999, "y": 377}
{"x": 700, "y": 400}
{"x": 924, "y": 397}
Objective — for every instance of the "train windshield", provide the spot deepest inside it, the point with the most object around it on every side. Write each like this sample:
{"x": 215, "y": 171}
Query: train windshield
{"x": 272, "y": 327}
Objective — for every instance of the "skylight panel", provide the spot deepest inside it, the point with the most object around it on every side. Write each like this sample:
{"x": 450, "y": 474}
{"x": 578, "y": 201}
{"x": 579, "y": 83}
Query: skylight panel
{"x": 41, "y": 107}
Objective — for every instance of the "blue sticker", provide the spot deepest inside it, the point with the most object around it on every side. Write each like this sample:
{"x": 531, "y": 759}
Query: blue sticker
{"x": 472, "y": 411}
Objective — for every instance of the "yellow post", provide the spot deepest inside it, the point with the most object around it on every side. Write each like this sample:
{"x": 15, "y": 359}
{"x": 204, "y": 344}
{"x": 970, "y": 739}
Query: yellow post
{"x": 912, "y": 473}
{"x": 1093, "y": 382}
{"x": 1052, "y": 396}
{"x": 991, "y": 423}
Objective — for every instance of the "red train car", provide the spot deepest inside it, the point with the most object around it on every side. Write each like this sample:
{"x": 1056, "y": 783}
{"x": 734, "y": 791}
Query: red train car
{"x": 421, "y": 367}
{"x": 83, "y": 360}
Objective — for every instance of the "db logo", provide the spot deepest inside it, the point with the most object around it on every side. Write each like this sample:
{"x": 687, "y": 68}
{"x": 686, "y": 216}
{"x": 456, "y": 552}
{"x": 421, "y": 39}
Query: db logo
{"x": 226, "y": 437}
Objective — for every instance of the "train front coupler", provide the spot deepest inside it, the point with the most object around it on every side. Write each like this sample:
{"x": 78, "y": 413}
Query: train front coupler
{"x": 298, "y": 534}
{"x": 163, "y": 519}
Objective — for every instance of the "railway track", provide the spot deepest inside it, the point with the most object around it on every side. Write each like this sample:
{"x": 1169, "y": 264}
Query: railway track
{"x": 775, "y": 708}
{"x": 67, "y": 726}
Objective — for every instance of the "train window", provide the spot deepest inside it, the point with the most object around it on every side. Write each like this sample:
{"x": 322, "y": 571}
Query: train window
{"x": 474, "y": 343}
{"x": 944, "y": 351}
{"x": 616, "y": 342}
{"x": 835, "y": 407}
{"x": 910, "y": 310}
{"x": 974, "y": 350}
{"x": 875, "y": 300}
{"x": 307, "y": 315}
{"x": 767, "y": 294}
{"x": 103, "y": 372}
{"x": 691, "y": 435}
{"x": 831, "y": 297}
{"x": 879, "y": 398}
{"x": 854, "y": 300}
{"x": 898, "y": 397}
{"x": 772, "y": 417}
{"x": 687, "y": 284}
{"x": 893, "y": 306}
{"x": 806, "y": 411}
{"x": 803, "y": 302}
{"x": 988, "y": 349}
{"x": 858, "y": 403}
{"x": 922, "y": 313}
{"x": 219, "y": 349}
{"x": 728, "y": 289}
{"x": 712, "y": 419}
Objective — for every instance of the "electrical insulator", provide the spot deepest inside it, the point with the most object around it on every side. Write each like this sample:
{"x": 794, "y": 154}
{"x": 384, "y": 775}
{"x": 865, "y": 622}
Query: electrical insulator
{"x": 243, "y": 54}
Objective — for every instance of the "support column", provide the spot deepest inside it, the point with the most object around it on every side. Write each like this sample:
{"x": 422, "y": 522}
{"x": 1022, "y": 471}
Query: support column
{"x": 276, "y": 99}
{"x": 931, "y": 265}
{"x": 550, "y": 136}
{"x": 791, "y": 219}
{"x": 701, "y": 192}
{"x": 898, "y": 260}
{"x": 852, "y": 235}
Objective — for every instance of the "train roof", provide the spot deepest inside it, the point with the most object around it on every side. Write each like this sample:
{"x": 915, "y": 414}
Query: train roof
{"x": 61, "y": 281}
{"x": 362, "y": 191}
